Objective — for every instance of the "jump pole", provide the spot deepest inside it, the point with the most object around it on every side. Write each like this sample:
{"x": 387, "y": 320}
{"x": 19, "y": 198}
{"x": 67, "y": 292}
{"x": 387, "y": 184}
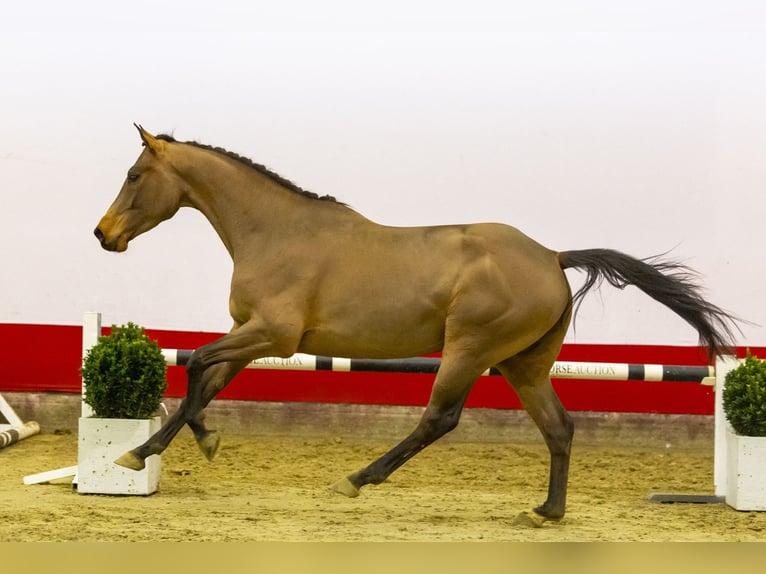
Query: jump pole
{"x": 430, "y": 365}
{"x": 15, "y": 429}
{"x": 14, "y": 435}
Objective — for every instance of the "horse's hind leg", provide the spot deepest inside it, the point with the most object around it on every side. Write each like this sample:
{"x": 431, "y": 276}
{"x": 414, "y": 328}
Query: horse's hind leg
{"x": 529, "y": 374}
{"x": 451, "y": 388}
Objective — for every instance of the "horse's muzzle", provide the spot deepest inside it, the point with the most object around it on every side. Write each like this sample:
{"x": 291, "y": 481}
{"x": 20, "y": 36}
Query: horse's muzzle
{"x": 108, "y": 245}
{"x": 101, "y": 237}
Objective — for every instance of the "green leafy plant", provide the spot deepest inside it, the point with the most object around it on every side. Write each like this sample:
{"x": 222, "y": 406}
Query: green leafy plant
{"x": 744, "y": 397}
{"x": 124, "y": 374}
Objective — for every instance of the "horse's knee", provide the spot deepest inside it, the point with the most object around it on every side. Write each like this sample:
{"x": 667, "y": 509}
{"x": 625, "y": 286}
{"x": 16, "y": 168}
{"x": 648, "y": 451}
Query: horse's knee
{"x": 450, "y": 421}
{"x": 195, "y": 366}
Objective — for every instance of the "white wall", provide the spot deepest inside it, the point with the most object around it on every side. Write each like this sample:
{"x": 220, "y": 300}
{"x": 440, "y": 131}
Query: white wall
{"x": 639, "y": 126}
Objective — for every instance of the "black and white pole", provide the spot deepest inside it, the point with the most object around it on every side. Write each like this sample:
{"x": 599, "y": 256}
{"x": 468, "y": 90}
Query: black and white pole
{"x": 15, "y": 434}
{"x": 14, "y": 429}
{"x": 430, "y": 365}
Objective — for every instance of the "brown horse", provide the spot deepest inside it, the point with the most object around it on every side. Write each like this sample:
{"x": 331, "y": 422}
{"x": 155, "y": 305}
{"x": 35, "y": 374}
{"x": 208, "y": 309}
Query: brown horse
{"x": 311, "y": 275}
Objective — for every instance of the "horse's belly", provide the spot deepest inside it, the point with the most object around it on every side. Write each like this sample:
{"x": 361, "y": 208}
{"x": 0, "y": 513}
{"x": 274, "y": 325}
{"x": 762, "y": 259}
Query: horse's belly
{"x": 374, "y": 340}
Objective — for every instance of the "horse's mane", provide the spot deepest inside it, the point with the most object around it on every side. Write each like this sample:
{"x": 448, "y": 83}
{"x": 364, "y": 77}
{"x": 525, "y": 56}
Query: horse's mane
{"x": 275, "y": 177}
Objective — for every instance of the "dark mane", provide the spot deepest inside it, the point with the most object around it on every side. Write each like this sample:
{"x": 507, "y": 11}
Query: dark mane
{"x": 275, "y": 177}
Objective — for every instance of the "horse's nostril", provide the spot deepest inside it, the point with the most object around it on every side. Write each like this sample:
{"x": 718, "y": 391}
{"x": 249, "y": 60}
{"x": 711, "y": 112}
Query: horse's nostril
{"x": 99, "y": 234}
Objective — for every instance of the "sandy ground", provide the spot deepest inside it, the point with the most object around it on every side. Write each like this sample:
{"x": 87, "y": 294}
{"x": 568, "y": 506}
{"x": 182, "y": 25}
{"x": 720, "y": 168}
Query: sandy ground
{"x": 276, "y": 489}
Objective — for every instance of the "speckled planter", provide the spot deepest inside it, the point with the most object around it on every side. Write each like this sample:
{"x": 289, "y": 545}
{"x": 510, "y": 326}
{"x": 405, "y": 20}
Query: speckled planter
{"x": 746, "y": 467}
{"x": 101, "y": 442}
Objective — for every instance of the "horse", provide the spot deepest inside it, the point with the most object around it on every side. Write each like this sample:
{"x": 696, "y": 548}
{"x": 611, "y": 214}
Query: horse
{"x": 312, "y": 275}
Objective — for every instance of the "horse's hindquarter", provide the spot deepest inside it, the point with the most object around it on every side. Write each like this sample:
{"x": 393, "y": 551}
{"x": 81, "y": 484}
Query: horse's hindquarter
{"x": 396, "y": 292}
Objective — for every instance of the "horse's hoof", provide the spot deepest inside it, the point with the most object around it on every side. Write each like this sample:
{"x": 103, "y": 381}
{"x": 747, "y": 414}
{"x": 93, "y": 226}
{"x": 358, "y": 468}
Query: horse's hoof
{"x": 529, "y": 519}
{"x": 131, "y": 461}
{"x": 209, "y": 444}
{"x": 344, "y": 487}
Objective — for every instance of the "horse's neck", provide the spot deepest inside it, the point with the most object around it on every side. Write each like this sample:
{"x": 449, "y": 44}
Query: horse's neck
{"x": 249, "y": 211}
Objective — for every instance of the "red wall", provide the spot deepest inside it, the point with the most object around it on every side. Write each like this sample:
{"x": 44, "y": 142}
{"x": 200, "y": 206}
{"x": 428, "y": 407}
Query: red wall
{"x": 47, "y": 358}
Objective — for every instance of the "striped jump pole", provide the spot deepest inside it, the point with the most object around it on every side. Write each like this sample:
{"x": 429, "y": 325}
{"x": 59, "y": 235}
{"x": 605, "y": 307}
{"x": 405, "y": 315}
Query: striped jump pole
{"x": 430, "y": 365}
{"x": 16, "y": 434}
{"x": 15, "y": 429}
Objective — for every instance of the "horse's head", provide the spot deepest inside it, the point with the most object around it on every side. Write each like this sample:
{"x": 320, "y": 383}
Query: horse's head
{"x": 151, "y": 194}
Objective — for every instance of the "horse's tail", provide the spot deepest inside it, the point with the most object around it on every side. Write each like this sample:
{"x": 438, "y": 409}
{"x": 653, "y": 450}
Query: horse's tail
{"x": 669, "y": 282}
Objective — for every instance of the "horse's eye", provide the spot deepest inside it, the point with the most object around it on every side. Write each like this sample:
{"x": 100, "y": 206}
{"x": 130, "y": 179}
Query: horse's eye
{"x": 132, "y": 177}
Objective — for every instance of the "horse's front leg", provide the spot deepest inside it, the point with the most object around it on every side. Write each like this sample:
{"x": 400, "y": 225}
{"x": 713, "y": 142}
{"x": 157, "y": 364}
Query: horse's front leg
{"x": 202, "y": 388}
{"x": 210, "y": 369}
{"x": 135, "y": 459}
{"x": 216, "y": 378}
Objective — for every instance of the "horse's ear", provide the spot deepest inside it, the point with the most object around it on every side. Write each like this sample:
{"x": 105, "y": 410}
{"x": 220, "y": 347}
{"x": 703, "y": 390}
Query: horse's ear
{"x": 152, "y": 143}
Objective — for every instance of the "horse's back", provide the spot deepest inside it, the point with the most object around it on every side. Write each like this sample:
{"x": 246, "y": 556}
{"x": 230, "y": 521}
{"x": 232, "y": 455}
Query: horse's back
{"x": 397, "y": 291}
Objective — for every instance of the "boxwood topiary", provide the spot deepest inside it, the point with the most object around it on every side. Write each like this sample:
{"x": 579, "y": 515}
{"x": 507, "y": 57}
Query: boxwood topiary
{"x": 744, "y": 397}
{"x": 124, "y": 374}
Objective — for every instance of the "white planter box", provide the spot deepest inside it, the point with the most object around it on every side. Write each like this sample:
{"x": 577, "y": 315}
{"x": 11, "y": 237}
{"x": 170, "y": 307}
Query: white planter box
{"x": 746, "y": 468}
{"x": 101, "y": 442}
